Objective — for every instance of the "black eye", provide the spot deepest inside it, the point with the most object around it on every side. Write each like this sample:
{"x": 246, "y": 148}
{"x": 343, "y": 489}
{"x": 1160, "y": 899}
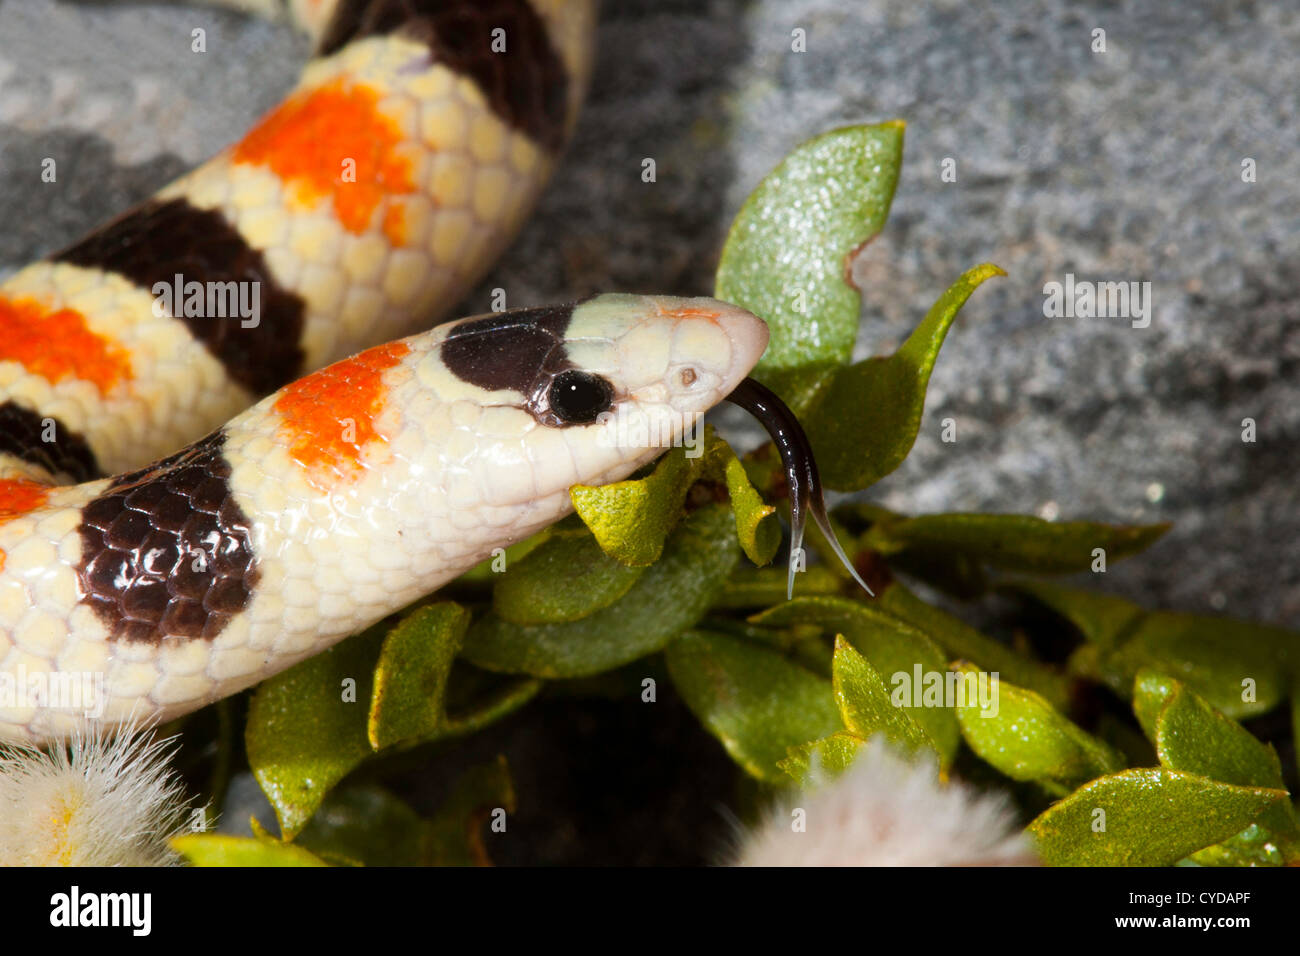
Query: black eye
{"x": 579, "y": 397}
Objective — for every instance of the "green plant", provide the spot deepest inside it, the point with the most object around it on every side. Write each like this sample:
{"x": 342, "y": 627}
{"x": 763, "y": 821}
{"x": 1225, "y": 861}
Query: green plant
{"x": 653, "y": 566}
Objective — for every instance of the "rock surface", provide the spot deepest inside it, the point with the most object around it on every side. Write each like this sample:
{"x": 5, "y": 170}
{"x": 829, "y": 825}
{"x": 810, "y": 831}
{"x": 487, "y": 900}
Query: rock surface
{"x": 1114, "y": 166}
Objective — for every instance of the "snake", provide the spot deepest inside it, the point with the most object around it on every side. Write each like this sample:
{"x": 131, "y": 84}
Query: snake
{"x": 234, "y": 431}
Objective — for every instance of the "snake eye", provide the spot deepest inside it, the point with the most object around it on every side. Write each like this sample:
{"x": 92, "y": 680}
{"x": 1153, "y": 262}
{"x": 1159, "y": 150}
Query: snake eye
{"x": 579, "y": 397}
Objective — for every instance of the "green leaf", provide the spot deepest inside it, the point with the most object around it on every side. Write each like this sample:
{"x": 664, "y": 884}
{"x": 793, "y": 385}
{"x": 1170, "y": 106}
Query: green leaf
{"x": 1024, "y": 737}
{"x": 1239, "y": 667}
{"x": 668, "y": 598}
{"x": 410, "y": 680}
{"x": 370, "y": 826}
{"x": 756, "y": 525}
{"x": 1151, "y": 817}
{"x": 1193, "y": 736}
{"x": 215, "y": 849}
{"x": 812, "y": 762}
{"x": 307, "y": 727}
{"x": 310, "y": 726}
{"x": 951, "y": 572}
{"x": 456, "y": 834}
{"x": 867, "y": 421}
{"x": 786, "y": 257}
{"x": 962, "y": 642}
{"x": 1151, "y": 691}
{"x": 566, "y": 579}
{"x": 865, "y": 704}
{"x": 1105, "y": 620}
{"x": 631, "y": 519}
{"x": 893, "y": 648}
{"x": 487, "y": 571}
{"x": 367, "y": 825}
{"x": 755, "y": 700}
{"x": 763, "y": 587}
{"x": 1014, "y": 542}
{"x": 490, "y": 700}
{"x": 1253, "y": 846}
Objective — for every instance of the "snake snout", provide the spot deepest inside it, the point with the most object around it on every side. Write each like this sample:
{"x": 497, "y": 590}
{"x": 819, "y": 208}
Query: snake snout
{"x": 748, "y": 335}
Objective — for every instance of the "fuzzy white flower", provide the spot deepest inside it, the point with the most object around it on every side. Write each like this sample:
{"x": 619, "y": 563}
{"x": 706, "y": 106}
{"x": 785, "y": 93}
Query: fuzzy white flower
{"x": 104, "y": 799}
{"x": 887, "y": 811}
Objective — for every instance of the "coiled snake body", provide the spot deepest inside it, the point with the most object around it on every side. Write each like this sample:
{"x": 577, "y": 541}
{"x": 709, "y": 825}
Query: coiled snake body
{"x": 357, "y": 211}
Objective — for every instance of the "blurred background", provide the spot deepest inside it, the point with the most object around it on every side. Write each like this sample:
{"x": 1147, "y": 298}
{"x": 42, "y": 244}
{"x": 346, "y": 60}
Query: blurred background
{"x": 1123, "y": 165}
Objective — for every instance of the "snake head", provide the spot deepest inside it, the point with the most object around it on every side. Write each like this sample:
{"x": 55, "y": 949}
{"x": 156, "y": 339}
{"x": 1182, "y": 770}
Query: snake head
{"x": 598, "y": 387}
{"x": 653, "y": 365}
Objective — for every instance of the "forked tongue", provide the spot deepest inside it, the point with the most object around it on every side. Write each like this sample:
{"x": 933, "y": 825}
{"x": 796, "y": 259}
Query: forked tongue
{"x": 800, "y": 471}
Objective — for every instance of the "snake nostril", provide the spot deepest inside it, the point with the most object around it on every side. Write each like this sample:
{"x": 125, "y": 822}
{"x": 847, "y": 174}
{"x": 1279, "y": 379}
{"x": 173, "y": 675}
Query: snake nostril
{"x": 687, "y": 377}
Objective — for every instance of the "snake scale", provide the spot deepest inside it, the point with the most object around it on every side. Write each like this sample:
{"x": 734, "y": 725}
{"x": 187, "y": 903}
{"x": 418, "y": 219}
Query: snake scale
{"x": 224, "y": 549}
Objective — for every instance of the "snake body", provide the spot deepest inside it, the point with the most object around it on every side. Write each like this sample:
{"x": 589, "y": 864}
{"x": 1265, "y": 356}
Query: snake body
{"x": 360, "y": 209}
